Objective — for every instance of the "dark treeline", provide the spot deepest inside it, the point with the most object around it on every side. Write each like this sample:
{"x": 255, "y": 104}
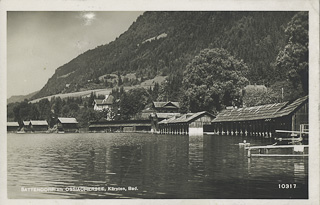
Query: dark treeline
{"x": 254, "y": 37}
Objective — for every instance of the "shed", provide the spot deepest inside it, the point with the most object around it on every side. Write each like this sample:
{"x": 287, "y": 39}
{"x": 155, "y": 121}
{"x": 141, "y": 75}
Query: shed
{"x": 12, "y": 126}
{"x": 38, "y": 125}
{"x": 67, "y": 124}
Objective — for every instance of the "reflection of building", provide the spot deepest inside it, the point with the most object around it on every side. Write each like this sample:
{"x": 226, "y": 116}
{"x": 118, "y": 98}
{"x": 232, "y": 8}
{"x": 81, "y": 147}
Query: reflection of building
{"x": 38, "y": 125}
{"x": 166, "y": 107}
{"x": 190, "y": 123}
{"x": 103, "y": 104}
{"x": 262, "y": 120}
{"x": 12, "y": 126}
{"x": 67, "y": 124}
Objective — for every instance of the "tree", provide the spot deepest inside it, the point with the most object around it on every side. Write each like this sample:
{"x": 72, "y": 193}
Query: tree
{"x": 213, "y": 80}
{"x": 292, "y": 61}
{"x": 132, "y": 102}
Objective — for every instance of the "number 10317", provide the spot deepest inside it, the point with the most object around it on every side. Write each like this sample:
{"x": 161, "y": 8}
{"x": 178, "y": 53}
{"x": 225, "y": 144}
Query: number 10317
{"x": 287, "y": 186}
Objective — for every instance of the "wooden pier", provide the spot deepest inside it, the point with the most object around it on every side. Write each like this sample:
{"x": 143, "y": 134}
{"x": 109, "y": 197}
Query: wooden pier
{"x": 264, "y": 151}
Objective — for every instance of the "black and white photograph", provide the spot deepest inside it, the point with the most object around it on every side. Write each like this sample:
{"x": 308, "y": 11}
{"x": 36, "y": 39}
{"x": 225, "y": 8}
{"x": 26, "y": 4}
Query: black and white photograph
{"x": 144, "y": 102}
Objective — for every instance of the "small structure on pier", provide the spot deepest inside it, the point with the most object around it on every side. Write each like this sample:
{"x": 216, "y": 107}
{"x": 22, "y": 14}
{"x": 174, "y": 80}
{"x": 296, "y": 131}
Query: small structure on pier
{"x": 190, "y": 123}
{"x": 262, "y": 120}
{"x": 121, "y": 126}
{"x": 66, "y": 124}
{"x": 12, "y": 126}
{"x": 39, "y": 125}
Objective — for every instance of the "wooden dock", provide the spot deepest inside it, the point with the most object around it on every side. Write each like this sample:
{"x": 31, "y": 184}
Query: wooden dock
{"x": 264, "y": 151}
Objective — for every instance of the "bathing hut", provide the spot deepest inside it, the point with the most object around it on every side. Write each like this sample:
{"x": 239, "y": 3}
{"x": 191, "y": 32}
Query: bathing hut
{"x": 39, "y": 125}
{"x": 262, "y": 120}
{"x": 190, "y": 123}
{"x": 67, "y": 124}
{"x": 12, "y": 126}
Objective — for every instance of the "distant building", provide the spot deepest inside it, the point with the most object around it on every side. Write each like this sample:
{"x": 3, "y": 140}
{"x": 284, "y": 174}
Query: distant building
{"x": 166, "y": 107}
{"x": 190, "y": 123}
{"x": 38, "y": 125}
{"x": 12, "y": 126}
{"x": 103, "y": 104}
{"x": 65, "y": 124}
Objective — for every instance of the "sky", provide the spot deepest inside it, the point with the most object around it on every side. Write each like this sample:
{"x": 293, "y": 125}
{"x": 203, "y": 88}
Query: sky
{"x": 40, "y": 42}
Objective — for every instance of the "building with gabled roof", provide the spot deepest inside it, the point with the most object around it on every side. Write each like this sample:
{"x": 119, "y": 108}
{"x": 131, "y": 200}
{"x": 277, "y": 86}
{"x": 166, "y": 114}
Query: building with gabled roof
{"x": 103, "y": 104}
{"x": 12, "y": 126}
{"x": 263, "y": 120}
{"x": 38, "y": 125}
{"x": 190, "y": 123}
{"x": 67, "y": 124}
{"x": 166, "y": 107}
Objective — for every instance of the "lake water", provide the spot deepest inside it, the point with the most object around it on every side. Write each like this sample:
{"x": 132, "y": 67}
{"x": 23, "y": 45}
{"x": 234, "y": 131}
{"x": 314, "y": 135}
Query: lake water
{"x": 106, "y": 165}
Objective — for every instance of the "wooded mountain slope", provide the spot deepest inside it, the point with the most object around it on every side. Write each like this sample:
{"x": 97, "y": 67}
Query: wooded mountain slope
{"x": 163, "y": 43}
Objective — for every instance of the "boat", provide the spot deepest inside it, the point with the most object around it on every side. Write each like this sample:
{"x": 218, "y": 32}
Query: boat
{"x": 287, "y": 137}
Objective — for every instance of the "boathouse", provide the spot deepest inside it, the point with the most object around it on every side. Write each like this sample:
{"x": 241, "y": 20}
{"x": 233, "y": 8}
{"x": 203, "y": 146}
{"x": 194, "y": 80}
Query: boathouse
{"x": 38, "y": 125}
{"x": 12, "y": 126}
{"x": 190, "y": 123}
{"x": 262, "y": 120}
{"x": 158, "y": 117}
{"x": 166, "y": 107}
{"x": 65, "y": 124}
{"x": 121, "y": 126}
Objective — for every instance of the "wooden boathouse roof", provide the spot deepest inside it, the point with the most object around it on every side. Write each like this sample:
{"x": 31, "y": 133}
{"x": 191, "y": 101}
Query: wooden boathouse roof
{"x": 12, "y": 124}
{"x": 67, "y": 120}
{"x": 39, "y": 122}
{"x": 186, "y": 118}
{"x": 275, "y": 110}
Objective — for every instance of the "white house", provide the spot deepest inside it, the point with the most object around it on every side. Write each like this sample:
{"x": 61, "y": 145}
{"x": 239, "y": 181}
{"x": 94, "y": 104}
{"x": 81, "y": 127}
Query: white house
{"x": 103, "y": 104}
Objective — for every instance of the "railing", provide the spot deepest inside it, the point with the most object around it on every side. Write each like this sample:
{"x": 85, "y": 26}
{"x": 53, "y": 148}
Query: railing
{"x": 263, "y": 151}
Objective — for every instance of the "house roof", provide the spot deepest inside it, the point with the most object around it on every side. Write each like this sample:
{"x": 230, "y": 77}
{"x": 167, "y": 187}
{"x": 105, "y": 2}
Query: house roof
{"x": 166, "y": 104}
{"x": 107, "y": 101}
{"x": 186, "y": 118}
{"x": 67, "y": 120}
{"x": 39, "y": 122}
{"x": 12, "y": 124}
{"x": 26, "y": 122}
{"x": 166, "y": 115}
{"x": 259, "y": 112}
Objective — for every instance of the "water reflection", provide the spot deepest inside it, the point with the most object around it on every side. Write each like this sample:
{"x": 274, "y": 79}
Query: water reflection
{"x": 160, "y": 166}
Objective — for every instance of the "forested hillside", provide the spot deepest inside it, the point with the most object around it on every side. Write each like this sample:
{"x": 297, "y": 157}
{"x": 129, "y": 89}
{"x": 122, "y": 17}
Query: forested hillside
{"x": 163, "y": 43}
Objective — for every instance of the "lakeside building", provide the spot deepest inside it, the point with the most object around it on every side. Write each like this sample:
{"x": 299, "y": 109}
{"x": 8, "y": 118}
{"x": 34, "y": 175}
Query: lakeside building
{"x": 65, "y": 124}
{"x": 38, "y": 125}
{"x": 262, "y": 120}
{"x": 103, "y": 104}
{"x": 189, "y": 124}
{"x": 121, "y": 126}
{"x": 12, "y": 126}
{"x": 166, "y": 107}
{"x": 158, "y": 117}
